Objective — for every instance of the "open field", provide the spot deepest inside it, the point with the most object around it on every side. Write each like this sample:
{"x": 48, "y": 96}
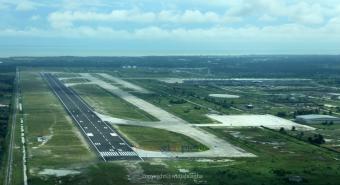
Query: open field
{"x": 74, "y": 80}
{"x": 160, "y": 140}
{"x": 191, "y": 110}
{"x": 44, "y": 116}
{"x": 187, "y": 111}
{"x": 101, "y": 173}
{"x": 279, "y": 157}
{"x": 218, "y": 125}
{"x": 67, "y": 75}
{"x": 168, "y": 121}
{"x": 107, "y": 103}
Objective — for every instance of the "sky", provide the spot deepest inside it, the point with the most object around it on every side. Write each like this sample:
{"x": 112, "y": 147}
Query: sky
{"x": 168, "y": 27}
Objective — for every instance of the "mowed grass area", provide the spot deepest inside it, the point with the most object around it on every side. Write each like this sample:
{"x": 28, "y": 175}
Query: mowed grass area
{"x": 107, "y": 103}
{"x": 184, "y": 110}
{"x": 66, "y": 75}
{"x": 45, "y": 116}
{"x": 75, "y": 80}
{"x": 177, "y": 105}
{"x": 159, "y": 140}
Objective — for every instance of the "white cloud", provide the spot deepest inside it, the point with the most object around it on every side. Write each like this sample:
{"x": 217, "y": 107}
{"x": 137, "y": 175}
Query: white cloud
{"x": 35, "y": 17}
{"x": 213, "y": 21}
{"x": 311, "y": 12}
{"x": 286, "y": 33}
{"x": 67, "y": 18}
{"x": 304, "y": 12}
{"x": 25, "y": 5}
{"x": 267, "y": 18}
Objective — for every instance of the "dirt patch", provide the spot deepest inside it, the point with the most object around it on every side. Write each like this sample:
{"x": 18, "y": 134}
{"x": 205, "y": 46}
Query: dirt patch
{"x": 224, "y": 96}
{"x": 135, "y": 172}
{"x": 58, "y": 172}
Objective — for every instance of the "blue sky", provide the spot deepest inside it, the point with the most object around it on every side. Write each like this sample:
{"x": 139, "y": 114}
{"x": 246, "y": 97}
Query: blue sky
{"x": 153, "y": 27}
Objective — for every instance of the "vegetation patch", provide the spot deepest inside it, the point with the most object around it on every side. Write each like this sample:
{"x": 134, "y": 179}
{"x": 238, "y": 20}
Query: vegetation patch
{"x": 160, "y": 140}
{"x": 107, "y": 103}
{"x": 75, "y": 80}
{"x": 45, "y": 116}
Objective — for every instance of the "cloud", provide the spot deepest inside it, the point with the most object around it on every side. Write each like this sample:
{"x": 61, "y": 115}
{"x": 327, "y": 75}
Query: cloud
{"x": 25, "y": 5}
{"x": 190, "y": 21}
{"x": 277, "y": 33}
{"x": 35, "y": 17}
{"x": 304, "y": 12}
{"x": 267, "y": 18}
{"x": 67, "y": 18}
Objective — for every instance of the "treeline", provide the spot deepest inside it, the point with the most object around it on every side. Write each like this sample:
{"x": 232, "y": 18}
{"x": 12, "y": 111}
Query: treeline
{"x": 4, "y": 115}
{"x": 7, "y": 74}
{"x": 235, "y": 66}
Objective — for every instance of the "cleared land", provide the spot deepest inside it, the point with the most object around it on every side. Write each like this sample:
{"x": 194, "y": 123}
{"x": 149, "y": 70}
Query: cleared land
{"x": 125, "y": 84}
{"x": 74, "y": 80}
{"x": 280, "y": 157}
{"x": 109, "y": 104}
{"x": 66, "y": 75}
{"x": 269, "y": 121}
{"x": 172, "y": 100}
{"x": 64, "y": 158}
{"x": 168, "y": 121}
{"x": 44, "y": 116}
{"x": 160, "y": 140}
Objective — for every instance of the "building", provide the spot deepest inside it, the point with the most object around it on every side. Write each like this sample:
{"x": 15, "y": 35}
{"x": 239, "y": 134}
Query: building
{"x": 317, "y": 119}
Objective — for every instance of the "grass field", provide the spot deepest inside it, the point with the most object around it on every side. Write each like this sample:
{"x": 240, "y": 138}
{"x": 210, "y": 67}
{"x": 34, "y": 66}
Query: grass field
{"x": 330, "y": 134}
{"x": 45, "y": 116}
{"x": 158, "y": 139}
{"x": 107, "y": 103}
{"x": 75, "y": 80}
{"x": 64, "y": 150}
{"x": 279, "y": 157}
{"x": 185, "y": 110}
{"x": 96, "y": 174}
{"x": 66, "y": 75}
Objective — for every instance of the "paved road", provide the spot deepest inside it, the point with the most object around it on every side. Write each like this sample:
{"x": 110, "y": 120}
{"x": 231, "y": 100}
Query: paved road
{"x": 9, "y": 170}
{"x": 101, "y": 136}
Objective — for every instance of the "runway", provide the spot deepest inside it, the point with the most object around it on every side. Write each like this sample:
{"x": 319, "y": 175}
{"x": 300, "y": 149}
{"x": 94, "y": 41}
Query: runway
{"x": 101, "y": 136}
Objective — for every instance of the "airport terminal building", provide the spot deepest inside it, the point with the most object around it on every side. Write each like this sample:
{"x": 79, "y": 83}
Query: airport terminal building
{"x": 317, "y": 119}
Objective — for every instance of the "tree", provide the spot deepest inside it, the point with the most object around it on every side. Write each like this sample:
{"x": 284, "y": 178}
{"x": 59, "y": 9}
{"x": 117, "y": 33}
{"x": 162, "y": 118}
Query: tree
{"x": 293, "y": 128}
{"x": 316, "y": 139}
{"x": 281, "y": 114}
{"x": 282, "y": 130}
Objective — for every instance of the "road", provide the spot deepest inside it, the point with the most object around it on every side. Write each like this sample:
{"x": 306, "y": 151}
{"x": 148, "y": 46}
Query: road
{"x": 104, "y": 139}
{"x": 9, "y": 170}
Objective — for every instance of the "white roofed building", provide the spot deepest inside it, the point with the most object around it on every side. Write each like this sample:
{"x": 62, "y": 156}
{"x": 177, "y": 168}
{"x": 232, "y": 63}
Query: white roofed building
{"x": 317, "y": 119}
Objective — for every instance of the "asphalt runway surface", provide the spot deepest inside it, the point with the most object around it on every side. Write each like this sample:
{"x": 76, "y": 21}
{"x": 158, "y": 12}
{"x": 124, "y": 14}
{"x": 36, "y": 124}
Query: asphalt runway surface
{"x": 101, "y": 136}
